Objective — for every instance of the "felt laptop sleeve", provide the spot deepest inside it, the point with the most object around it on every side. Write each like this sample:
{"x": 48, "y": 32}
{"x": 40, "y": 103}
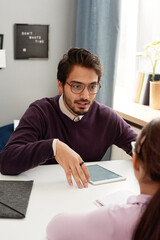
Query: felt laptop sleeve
{"x": 14, "y": 198}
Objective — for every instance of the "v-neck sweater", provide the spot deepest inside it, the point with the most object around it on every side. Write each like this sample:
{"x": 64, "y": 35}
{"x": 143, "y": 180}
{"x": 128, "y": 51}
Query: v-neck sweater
{"x": 31, "y": 143}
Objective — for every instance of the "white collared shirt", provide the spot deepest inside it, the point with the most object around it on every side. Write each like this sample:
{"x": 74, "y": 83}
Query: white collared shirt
{"x": 68, "y": 114}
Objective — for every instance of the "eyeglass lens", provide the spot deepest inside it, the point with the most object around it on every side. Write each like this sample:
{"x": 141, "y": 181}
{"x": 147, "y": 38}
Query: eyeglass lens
{"x": 78, "y": 88}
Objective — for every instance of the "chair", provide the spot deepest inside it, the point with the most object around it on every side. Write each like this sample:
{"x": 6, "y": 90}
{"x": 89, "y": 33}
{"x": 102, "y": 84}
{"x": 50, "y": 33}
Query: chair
{"x": 5, "y": 133}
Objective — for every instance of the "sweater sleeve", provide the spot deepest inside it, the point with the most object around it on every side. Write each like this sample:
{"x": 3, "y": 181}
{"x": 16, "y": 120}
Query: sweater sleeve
{"x": 94, "y": 225}
{"x": 124, "y": 135}
{"x": 27, "y": 146}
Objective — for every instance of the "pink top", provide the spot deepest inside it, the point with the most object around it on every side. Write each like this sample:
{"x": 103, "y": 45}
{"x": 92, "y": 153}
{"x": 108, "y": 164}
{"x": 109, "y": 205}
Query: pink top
{"x": 112, "y": 223}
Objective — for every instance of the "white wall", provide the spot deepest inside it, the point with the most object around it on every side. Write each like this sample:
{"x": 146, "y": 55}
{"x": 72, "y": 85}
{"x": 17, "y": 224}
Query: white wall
{"x": 24, "y": 81}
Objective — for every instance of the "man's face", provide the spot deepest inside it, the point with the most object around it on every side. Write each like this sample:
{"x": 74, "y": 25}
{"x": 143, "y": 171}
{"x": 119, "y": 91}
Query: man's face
{"x": 79, "y": 104}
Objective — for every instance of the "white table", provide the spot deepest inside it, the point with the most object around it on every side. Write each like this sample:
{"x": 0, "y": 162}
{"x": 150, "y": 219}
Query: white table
{"x": 51, "y": 195}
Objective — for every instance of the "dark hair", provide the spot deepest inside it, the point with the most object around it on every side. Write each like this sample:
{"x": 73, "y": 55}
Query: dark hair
{"x": 81, "y": 57}
{"x": 148, "y": 151}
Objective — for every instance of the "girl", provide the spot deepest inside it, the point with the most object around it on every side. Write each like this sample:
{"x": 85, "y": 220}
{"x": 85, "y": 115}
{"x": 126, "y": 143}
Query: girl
{"x": 139, "y": 218}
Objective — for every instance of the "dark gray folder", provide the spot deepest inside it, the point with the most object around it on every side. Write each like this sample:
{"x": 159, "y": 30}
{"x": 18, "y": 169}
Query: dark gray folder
{"x": 14, "y": 198}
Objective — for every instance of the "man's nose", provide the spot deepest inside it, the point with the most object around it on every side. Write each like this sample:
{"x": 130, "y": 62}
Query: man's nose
{"x": 85, "y": 93}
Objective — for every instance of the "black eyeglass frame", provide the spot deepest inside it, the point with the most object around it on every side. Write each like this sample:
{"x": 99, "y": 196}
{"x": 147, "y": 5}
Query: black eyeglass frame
{"x": 97, "y": 84}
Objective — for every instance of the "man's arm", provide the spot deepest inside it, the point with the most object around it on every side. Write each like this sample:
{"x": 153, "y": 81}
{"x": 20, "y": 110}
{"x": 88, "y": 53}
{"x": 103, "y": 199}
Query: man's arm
{"x": 28, "y": 148}
{"x": 124, "y": 136}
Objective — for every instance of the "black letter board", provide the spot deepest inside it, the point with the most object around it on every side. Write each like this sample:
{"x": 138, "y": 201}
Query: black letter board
{"x": 31, "y": 41}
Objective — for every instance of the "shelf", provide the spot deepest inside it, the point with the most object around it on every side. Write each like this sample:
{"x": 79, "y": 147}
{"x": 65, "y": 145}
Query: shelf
{"x": 135, "y": 113}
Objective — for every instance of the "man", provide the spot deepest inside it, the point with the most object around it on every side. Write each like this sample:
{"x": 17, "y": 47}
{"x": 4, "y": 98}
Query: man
{"x": 70, "y": 128}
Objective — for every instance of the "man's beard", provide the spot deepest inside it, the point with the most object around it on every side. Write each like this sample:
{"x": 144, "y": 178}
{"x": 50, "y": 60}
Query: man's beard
{"x": 73, "y": 109}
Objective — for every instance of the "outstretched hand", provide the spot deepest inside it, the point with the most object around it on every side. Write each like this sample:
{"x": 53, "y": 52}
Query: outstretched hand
{"x": 70, "y": 162}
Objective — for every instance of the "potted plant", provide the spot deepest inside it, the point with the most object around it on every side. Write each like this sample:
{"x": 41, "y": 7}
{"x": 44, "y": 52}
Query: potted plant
{"x": 152, "y": 52}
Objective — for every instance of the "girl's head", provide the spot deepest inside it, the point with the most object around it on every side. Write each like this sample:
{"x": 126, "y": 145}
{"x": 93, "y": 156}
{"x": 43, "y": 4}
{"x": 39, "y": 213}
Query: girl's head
{"x": 147, "y": 149}
{"x": 147, "y": 158}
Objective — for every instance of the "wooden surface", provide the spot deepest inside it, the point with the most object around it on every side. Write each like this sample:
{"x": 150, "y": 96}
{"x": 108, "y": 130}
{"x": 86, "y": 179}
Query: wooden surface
{"x": 135, "y": 113}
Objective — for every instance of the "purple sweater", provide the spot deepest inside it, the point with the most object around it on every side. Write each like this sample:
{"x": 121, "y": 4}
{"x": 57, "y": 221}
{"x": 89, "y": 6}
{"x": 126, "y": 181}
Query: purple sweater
{"x": 31, "y": 143}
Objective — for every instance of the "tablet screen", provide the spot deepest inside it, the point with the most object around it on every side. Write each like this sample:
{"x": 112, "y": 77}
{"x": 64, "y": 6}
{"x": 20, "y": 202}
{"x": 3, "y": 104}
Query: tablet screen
{"x": 100, "y": 174}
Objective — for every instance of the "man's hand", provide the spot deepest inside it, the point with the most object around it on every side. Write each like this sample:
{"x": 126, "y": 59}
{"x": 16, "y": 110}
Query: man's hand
{"x": 70, "y": 162}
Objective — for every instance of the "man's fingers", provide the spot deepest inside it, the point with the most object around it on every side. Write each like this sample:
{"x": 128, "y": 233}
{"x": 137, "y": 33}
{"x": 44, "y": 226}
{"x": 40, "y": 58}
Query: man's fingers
{"x": 82, "y": 176}
{"x": 72, "y": 164}
{"x": 86, "y": 172}
{"x": 76, "y": 177}
{"x": 69, "y": 177}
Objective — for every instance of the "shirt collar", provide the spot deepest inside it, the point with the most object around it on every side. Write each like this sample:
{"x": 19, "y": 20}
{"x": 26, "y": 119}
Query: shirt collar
{"x": 67, "y": 112}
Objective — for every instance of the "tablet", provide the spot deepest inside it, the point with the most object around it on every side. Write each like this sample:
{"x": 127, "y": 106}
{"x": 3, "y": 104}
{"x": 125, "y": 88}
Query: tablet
{"x": 101, "y": 175}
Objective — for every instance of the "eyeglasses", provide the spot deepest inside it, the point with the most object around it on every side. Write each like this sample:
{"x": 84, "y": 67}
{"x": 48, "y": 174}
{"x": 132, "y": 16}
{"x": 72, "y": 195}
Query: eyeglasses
{"x": 78, "y": 88}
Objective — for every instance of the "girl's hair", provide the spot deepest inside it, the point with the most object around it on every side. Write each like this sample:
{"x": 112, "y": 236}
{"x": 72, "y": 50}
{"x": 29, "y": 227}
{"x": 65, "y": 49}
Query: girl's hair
{"x": 147, "y": 149}
{"x": 81, "y": 57}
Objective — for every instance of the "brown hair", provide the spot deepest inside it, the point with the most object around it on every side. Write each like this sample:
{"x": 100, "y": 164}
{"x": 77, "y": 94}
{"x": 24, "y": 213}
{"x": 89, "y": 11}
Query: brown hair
{"x": 81, "y": 57}
{"x": 148, "y": 150}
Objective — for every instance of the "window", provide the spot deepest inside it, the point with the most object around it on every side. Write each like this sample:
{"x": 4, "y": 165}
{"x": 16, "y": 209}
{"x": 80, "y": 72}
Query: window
{"x": 139, "y": 25}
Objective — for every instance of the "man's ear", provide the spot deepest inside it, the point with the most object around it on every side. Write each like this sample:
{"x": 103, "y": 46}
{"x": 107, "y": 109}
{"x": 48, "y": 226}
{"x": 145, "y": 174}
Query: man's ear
{"x": 60, "y": 87}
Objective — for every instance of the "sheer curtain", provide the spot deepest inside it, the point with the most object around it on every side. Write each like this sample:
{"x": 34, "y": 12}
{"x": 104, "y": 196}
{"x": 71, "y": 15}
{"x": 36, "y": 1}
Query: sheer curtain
{"x": 97, "y": 29}
{"x": 126, "y": 66}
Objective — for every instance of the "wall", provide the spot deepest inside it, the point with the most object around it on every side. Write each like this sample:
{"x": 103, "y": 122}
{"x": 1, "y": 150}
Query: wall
{"x": 24, "y": 81}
